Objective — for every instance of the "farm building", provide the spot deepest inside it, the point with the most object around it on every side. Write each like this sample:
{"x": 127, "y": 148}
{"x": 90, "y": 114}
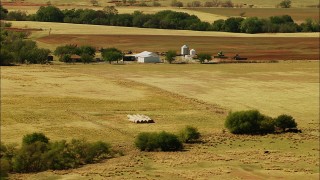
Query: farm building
{"x": 75, "y": 58}
{"x": 147, "y": 57}
{"x": 184, "y": 50}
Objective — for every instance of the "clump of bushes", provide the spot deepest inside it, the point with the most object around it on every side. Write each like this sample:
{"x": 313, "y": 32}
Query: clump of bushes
{"x": 37, "y": 153}
{"x": 253, "y": 122}
{"x": 164, "y": 141}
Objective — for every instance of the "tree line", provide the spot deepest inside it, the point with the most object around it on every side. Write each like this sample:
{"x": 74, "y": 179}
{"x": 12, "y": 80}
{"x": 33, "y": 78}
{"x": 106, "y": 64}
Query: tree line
{"x": 16, "y": 49}
{"x": 165, "y": 20}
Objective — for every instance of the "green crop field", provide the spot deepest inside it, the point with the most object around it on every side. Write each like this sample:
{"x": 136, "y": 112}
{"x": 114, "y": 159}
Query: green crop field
{"x": 92, "y": 101}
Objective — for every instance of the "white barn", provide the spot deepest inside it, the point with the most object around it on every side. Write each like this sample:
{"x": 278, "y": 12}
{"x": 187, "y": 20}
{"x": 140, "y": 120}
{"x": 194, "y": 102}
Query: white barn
{"x": 147, "y": 57}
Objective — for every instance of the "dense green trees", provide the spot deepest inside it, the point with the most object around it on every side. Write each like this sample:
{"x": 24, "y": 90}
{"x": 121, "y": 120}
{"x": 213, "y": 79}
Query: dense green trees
{"x": 3, "y": 12}
{"x": 170, "y": 56}
{"x": 111, "y": 54}
{"x": 253, "y": 122}
{"x": 163, "y": 20}
{"x": 49, "y": 14}
{"x": 162, "y": 141}
{"x": 16, "y": 49}
{"x": 37, "y": 153}
{"x": 64, "y": 52}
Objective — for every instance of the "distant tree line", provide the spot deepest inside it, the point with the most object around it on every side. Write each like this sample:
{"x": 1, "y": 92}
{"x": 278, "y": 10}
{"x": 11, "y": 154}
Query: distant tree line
{"x": 165, "y": 20}
{"x": 274, "y": 24}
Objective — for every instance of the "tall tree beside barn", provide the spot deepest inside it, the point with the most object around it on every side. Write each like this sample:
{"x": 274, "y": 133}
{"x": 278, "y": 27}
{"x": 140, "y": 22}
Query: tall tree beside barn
{"x": 111, "y": 54}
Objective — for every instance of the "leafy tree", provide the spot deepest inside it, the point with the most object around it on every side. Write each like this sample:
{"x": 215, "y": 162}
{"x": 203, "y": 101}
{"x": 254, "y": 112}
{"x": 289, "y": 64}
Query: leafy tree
{"x": 176, "y": 3}
{"x": 87, "y": 50}
{"x": 232, "y": 24}
{"x": 204, "y": 56}
{"x": 169, "y": 142}
{"x": 86, "y": 58}
{"x": 49, "y": 14}
{"x": 28, "y": 158}
{"x": 170, "y": 56}
{"x": 285, "y": 121}
{"x": 66, "y": 58}
{"x": 251, "y": 25}
{"x": 34, "y": 137}
{"x": 6, "y": 57}
{"x": 189, "y": 134}
{"x": 147, "y": 141}
{"x": 218, "y": 25}
{"x": 281, "y": 19}
{"x": 17, "y": 15}
{"x": 285, "y": 4}
{"x": 244, "y": 122}
{"x": 67, "y": 50}
{"x": 111, "y": 54}
{"x": 3, "y": 12}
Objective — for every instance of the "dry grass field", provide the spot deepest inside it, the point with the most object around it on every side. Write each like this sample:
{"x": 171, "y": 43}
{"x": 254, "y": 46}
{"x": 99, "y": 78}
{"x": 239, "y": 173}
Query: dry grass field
{"x": 297, "y": 14}
{"x": 92, "y": 101}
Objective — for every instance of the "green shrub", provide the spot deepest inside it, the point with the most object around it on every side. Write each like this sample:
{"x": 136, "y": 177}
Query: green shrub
{"x": 189, "y": 134}
{"x": 158, "y": 142}
{"x": 4, "y": 169}
{"x": 169, "y": 142}
{"x": 245, "y": 122}
{"x": 30, "y": 158}
{"x": 147, "y": 141}
{"x": 285, "y": 121}
{"x": 34, "y": 137}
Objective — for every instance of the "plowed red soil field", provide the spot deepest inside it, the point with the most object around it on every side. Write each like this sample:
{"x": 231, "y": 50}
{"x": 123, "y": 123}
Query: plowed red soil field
{"x": 254, "y": 48}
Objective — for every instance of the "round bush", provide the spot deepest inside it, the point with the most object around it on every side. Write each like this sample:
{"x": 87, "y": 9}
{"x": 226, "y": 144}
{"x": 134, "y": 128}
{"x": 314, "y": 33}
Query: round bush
{"x": 189, "y": 134}
{"x": 285, "y": 121}
{"x": 247, "y": 122}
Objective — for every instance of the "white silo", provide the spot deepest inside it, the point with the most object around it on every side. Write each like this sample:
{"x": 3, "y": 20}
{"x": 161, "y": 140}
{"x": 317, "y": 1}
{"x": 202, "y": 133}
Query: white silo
{"x": 184, "y": 50}
{"x": 192, "y": 52}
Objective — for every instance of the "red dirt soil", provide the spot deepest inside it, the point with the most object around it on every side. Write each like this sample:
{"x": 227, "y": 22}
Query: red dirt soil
{"x": 254, "y": 48}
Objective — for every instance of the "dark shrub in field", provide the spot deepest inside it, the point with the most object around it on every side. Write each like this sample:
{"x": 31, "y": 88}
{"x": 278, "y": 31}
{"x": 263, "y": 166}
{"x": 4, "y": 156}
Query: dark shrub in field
{"x": 158, "y": 142}
{"x": 189, "y": 134}
{"x": 248, "y": 122}
{"x": 285, "y": 121}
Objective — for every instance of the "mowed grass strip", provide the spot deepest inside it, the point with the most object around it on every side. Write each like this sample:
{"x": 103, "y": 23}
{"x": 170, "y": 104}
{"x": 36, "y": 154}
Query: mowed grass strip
{"x": 254, "y": 48}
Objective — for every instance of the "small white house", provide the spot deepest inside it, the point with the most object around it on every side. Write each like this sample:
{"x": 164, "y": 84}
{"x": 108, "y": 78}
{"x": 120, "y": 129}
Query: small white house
{"x": 147, "y": 57}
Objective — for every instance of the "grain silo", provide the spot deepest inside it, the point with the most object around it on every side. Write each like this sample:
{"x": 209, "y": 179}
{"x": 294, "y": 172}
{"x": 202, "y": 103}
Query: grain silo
{"x": 184, "y": 50}
{"x": 192, "y": 52}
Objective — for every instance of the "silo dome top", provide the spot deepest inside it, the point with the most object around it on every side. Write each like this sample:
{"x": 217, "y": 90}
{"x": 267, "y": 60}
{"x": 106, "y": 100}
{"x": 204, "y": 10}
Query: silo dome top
{"x": 185, "y": 46}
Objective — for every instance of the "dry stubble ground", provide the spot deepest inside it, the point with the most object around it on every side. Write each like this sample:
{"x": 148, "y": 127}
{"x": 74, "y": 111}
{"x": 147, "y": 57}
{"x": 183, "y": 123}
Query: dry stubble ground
{"x": 92, "y": 101}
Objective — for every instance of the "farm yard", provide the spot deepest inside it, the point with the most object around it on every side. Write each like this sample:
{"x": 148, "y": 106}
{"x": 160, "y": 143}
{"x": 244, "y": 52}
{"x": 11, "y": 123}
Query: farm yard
{"x": 115, "y": 103}
{"x": 93, "y": 101}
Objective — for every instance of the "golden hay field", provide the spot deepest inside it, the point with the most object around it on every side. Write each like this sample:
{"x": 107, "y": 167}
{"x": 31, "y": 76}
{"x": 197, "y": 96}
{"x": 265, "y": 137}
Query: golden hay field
{"x": 92, "y": 101}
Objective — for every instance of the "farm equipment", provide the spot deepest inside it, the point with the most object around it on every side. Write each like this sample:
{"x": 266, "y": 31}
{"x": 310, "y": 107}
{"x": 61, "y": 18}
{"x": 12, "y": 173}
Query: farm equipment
{"x": 220, "y": 55}
{"x": 237, "y": 57}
